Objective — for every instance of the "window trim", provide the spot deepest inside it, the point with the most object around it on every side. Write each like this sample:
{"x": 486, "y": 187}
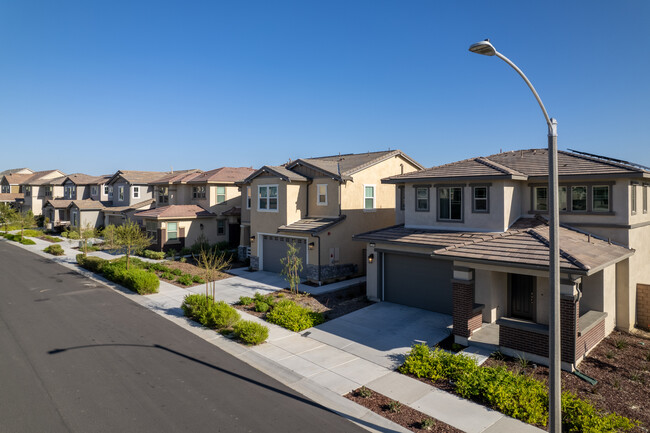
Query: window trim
{"x": 609, "y": 199}
{"x": 162, "y": 195}
{"x": 120, "y": 193}
{"x": 487, "y": 199}
{"x": 586, "y": 209}
{"x": 217, "y": 194}
{"x": 135, "y": 191}
{"x": 198, "y": 193}
{"x": 462, "y": 204}
{"x": 633, "y": 199}
{"x": 169, "y": 231}
{"x": 94, "y": 190}
{"x": 48, "y": 190}
{"x": 6, "y": 189}
{"x": 249, "y": 197}
{"x": 645, "y": 198}
{"x": 567, "y": 186}
{"x": 417, "y": 199}
{"x": 318, "y": 194}
{"x": 268, "y": 198}
{"x": 373, "y": 198}
{"x": 223, "y": 227}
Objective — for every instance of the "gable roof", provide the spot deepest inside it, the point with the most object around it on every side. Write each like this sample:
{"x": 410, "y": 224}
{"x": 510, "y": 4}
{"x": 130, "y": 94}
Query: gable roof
{"x": 525, "y": 244}
{"x": 177, "y": 177}
{"x": 176, "y": 211}
{"x": 524, "y": 165}
{"x": 140, "y": 177}
{"x": 88, "y": 204}
{"x": 223, "y": 175}
{"x": 37, "y": 178}
{"x": 280, "y": 171}
{"x": 120, "y": 209}
{"x": 10, "y": 197}
{"x": 23, "y": 170}
{"x": 57, "y": 203}
{"x": 87, "y": 179}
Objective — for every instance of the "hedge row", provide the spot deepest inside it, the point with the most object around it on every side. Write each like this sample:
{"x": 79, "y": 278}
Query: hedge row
{"x": 137, "y": 279}
{"x": 18, "y": 238}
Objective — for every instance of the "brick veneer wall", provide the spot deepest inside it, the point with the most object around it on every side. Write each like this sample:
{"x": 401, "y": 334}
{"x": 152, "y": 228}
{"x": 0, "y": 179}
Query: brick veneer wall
{"x": 524, "y": 341}
{"x": 466, "y": 320}
{"x": 643, "y": 306}
{"x": 586, "y": 341}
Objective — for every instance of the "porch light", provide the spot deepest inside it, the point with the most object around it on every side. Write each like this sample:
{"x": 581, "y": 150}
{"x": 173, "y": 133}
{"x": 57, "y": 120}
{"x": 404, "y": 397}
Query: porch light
{"x": 555, "y": 417}
{"x": 372, "y": 244}
{"x": 371, "y": 258}
{"x": 311, "y": 245}
{"x": 253, "y": 238}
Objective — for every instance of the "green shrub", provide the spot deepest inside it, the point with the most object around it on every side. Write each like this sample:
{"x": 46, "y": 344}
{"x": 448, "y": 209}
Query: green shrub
{"x": 26, "y": 241}
{"x": 155, "y": 255}
{"x": 141, "y": 281}
{"x": 222, "y": 315}
{"x": 185, "y": 279}
{"x": 193, "y": 303}
{"x": 196, "y": 279}
{"x": 52, "y": 239}
{"x": 93, "y": 264}
{"x": 171, "y": 253}
{"x": 32, "y": 233}
{"x": 168, "y": 276}
{"x": 245, "y": 300}
{"x": 251, "y": 333}
{"x": 221, "y": 246}
{"x": 176, "y": 272}
{"x": 580, "y": 416}
{"x": 204, "y": 310}
{"x": 159, "y": 267}
{"x": 74, "y": 235}
{"x": 292, "y": 316}
{"x": 55, "y": 250}
{"x": 65, "y": 234}
{"x": 262, "y": 307}
{"x": 185, "y": 251}
{"x": 183, "y": 260}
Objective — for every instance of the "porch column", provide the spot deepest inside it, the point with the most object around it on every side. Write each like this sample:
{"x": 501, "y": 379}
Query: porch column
{"x": 569, "y": 315}
{"x": 468, "y": 317}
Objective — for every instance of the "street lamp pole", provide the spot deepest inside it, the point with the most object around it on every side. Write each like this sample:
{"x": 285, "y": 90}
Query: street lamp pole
{"x": 555, "y": 414}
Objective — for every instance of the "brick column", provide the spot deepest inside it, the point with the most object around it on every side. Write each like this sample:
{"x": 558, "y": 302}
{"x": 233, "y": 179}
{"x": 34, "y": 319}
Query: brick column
{"x": 643, "y": 306}
{"x": 466, "y": 319}
{"x": 569, "y": 312}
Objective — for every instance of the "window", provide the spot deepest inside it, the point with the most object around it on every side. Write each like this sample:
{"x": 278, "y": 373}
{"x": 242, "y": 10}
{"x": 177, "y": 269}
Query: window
{"x": 422, "y": 199}
{"x": 450, "y": 203}
{"x": 120, "y": 193}
{"x": 369, "y": 197}
{"x": 480, "y": 199}
{"x": 645, "y": 198}
{"x": 198, "y": 192}
{"x": 152, "y": 230}
{"x": 6, "y": 189}
{"x": 600, "y": 199}
{"x": 562, "y": 198}
{"x": 322, "y": 194}
{"x": 28, "y": 191}
{"x": 249, "y": 197}
{"x": 402, "y": 200}
{"x": 172, "y": 231}
{"x": 221, "y": 227}
{"x": 107, "y": 189}
{"x": 74, "y": 218}
{"x": 93, "y": 190}
{"x": 579, "y": 198}
{"x": 163, "y": 194}
{"x": 136, "y": 192}
{"x": 540, "y": 198}
{"x": 48, "y": 191}
{"x": 221, "y": 194}
{"x": 633, "y": 199}
{"x": 70, "y": 192}
{"x": 267, "y": 198}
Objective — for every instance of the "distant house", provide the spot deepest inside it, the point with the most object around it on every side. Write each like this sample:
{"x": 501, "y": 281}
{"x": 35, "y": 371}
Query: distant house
{"x": 472, "y": 242}
{"x": 38, "y": 188}
{"x": 131, "y": 191}
{"x": 318, "y": 204}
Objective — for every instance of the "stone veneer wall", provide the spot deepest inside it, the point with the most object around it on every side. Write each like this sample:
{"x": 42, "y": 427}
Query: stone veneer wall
{"x": 255, "y": 263}
{"x": 466, "y": 318}
{"x": 643, "y": 306}
{"x": 329, "y": 272}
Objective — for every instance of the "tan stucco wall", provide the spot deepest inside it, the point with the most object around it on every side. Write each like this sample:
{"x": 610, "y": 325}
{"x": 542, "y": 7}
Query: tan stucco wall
{"x": 491, "y": 290}
{"x": 332, "y": 207}
{"x": 599, "y": 294}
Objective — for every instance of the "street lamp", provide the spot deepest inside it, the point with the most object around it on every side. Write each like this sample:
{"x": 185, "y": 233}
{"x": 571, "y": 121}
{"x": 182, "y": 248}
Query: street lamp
{"x": 555, "y": 421}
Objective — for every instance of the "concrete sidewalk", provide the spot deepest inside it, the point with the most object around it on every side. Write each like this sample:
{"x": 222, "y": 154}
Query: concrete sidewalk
{"x": 321, "y": 363}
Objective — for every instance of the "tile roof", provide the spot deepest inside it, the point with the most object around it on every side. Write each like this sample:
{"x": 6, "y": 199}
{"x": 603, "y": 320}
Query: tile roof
{"x": 279, "y": 171}
{"x": 176, "y": 211}
{"x": 524, "y": 245}
{"x": 142, "y": 177}
{"x": 6, "y": 197}
{"x": 48, "y": 181}
{"x": 17, "y": 179}
{"x": 87, "y": 179}
{"x": 58, "y": 203}
{"x": 88, "y": 204}
{"x": 523, "y": 164}
{"x": 15, "y": 171}
{"x": 116, "y": 209}
{"x": 223, "y": 175}
{"x": 177, "y": 177}
{"x": 311, "y": 225}
{"x": 36, "y": 178}
{"x": 233, "y": 211}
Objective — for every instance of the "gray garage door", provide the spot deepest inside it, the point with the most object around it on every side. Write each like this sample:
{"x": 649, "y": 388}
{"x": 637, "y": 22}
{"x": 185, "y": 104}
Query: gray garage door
{"x": 274, "y": 248}
{"x": 419, "y": 282}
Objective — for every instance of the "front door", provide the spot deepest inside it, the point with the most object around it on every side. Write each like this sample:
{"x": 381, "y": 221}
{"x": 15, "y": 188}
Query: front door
{"x": 522, "y": 296}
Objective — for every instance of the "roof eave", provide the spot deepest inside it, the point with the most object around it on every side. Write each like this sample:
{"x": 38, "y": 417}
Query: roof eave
{"x": 396, "y": 180}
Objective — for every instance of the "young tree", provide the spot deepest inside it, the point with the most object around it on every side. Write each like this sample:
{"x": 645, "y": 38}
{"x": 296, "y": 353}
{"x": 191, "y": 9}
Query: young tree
{"x": 132, "y": 238}
{"x": 212, "y": 263}
{"x": 109, "y": 236}
{"x": 292, "y": 267}
{"x": 86, "y": 233}
{"x": 24, "y": 220}
{"x": 7, "y": 214}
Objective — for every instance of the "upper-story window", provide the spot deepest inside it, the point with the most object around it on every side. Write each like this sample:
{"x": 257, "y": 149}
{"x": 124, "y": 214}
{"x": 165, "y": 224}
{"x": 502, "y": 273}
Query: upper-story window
{"x": 70, "y": 192}
{"x": 198, "y": 192}
{"x": 322, "y": 194}
{"x": 579, "y": 198}
{"x": 108, "y": 190}
{"x": 540, "y": 198}
{"x": 480, "y": 198}
{"x": 450, "y": 203}
{"x": 369, "y": 197}
{"x": 6, "y": 189}
{"x": 422, "y": 199}
{"x": 163, "y": 194}
{"x": 120, "y": 193}
{"x": 267, "y": 198}
{"x": 28, "y": 191}
{"x": 221, "y": 194}
{"x": 600, "y": 198}
{"x": 633, "y": 199}
{"x": 402, "y": 199}
{"x": 48, "y": 191}
{"x": 136, "y": 192}
{"x": 249, "y": 197}
{"x": 94, "y": 190}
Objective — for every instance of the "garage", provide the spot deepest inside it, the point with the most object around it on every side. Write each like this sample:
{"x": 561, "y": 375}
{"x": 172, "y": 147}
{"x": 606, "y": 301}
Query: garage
{"x": 418, "y": 281}
{"x": 274, "y": 249}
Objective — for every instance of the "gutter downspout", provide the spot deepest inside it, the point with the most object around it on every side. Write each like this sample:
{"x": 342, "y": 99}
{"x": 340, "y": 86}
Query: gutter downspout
{"x": 318, "y": 265}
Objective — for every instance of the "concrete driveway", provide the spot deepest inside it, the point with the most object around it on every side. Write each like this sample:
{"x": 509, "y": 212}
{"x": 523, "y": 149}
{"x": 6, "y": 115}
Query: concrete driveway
{"x": 384, "y": 332}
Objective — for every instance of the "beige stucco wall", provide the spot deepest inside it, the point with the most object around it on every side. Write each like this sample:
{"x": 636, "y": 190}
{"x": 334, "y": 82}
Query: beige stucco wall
{"x": 599, "y": 294}
{"x": 491, "y": 290}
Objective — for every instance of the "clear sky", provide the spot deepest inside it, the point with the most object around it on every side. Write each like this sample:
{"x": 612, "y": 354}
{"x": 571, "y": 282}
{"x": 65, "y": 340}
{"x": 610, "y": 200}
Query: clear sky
{"x": 97, "y": 86}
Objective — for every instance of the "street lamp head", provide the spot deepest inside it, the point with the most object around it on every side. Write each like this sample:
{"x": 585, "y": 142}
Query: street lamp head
{"x": 483, "y": 47}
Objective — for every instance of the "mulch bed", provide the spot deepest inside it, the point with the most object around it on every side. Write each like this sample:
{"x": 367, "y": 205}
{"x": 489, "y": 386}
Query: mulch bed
{"x": 406, "y": 417}
{"x": 189, "y": 268}
{"x": 332, "y": 305}
{"x": 620, "y": 364}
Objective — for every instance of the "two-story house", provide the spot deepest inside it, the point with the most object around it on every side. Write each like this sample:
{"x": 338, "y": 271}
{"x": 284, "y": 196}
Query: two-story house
{"x": 472, "y": 242}
{"x": 195, "y": 205}
{"x": 11, "y": 190}
{"x": 318, "y": 204}
{"x": 132, "y": 191}
{"x": 85, "y": 193}
{"x": 40, "y": 187}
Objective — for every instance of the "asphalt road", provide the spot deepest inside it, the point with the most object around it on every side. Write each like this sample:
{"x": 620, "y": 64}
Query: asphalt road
{"x": 78, "y": 357}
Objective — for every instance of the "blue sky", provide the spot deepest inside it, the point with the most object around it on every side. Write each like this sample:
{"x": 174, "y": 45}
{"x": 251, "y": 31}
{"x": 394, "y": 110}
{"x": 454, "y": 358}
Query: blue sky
{"x": 97, "y": 86}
